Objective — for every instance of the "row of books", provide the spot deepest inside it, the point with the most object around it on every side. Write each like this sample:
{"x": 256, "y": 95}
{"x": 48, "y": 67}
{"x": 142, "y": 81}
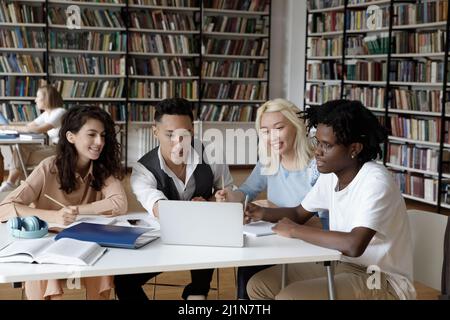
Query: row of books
{"x": 419, "y": 42}
{"x": 161, "y": 20}
{"x": 166, "y": 3}
{"x": 20, "y": 64}
{"x": 235, "y": 91}
{"x": 414, "y": 157}
{"x": 357, "y": 20}
{"x": 416, "y": 185}
{"x": 326, "y": 22}
{"x": 421, "y": 12}
{"x": 417, "y": 71}
{"x": 360, "y": 70}
{"x": 236, "y": 69}
{"x": 20, "y": 86}
{"x": 156, "y": 43}
{"x": 236, "y": 113}
{"x": 116, "y": 110}
{"x": 371, "y": 97}
{"x": 324, "y": 47}
{"x": 141, "y": 112}
{"x": 88, "y": 40}
{"x": 320, "y": 70}
{"x": 243, "y": 47}
{"x": 87, "y": 65}
{"x": 90, "y": 89}
{"x": 89, "y": 17}
{"x": 405, "y": 71}
{"x": 417, "y": 100}
{"x": 174, "y": 67}
{"x": 14, "y": 12}
{"x": 19, "y": 37}
{"x": 235, "y": 24}
{"x": 317, "y": 93}
{"x": 373, "y": 44}
{"x": 164, "y": 89}
{"x": 19, "y": 111}
{"x": 405, "y": 14}
{"x": 416, "y": 128}
{"x": 244, "y": 5}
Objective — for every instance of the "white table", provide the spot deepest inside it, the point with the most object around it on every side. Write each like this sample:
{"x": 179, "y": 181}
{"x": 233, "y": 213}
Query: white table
{"x": 17, "y": 142}
{"x": 157, "y": 257}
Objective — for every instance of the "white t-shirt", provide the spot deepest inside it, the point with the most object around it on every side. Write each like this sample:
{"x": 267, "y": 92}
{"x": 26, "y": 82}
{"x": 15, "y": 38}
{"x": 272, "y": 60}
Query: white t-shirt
{"x": 55, "y": 119}
{"x": 374, "y": 201}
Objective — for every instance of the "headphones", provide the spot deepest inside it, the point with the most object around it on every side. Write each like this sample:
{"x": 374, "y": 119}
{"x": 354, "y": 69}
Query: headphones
{"x": 28, "y": 228}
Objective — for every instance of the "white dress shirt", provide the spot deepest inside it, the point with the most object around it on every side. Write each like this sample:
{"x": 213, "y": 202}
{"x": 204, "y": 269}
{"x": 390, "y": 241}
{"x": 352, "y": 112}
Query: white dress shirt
{"x": 144, "y": 184}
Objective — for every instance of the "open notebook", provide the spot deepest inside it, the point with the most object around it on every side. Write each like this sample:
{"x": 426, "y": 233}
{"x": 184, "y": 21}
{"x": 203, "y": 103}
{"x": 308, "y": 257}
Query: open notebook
{"x": 258, "y": 229}
{"x": 47, "y": 250}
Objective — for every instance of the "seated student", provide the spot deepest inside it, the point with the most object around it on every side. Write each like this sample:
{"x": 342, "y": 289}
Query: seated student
{"x": 50, "y": 101}
{"x": 85, "y": 176}
{"x": 289, "y": 172}
{"x": 173, "y": 171}
{"x": 368, "y": 220}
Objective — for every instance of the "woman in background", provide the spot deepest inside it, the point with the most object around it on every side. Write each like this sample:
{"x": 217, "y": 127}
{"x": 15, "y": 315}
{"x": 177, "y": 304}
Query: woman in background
{"x": 50, "y": 101}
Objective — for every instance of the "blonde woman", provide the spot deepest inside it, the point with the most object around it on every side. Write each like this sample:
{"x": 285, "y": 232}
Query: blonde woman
{"x": 50, "y": 102}
{"x": 286, "y": 168}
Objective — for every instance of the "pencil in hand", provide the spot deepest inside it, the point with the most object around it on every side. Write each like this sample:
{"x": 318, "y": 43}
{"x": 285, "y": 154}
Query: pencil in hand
{"x": 55, "y": 201}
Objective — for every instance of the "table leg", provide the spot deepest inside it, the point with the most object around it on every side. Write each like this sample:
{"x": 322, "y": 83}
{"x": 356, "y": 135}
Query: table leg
{"x": 283, "y": 275}
{"x": 19, "y": 154}
{"x": 330, "y": 277}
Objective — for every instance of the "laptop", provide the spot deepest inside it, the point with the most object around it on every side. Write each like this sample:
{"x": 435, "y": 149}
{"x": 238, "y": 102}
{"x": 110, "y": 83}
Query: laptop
{"x": 201, "y": 223}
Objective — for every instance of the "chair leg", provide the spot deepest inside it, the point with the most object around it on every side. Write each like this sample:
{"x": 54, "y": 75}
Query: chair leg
{"x": 218, "y": 283}
{"x": 154, "y": 287}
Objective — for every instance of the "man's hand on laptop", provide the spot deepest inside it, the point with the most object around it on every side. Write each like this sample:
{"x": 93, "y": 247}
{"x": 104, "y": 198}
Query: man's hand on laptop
{"x": 253, "y": 212}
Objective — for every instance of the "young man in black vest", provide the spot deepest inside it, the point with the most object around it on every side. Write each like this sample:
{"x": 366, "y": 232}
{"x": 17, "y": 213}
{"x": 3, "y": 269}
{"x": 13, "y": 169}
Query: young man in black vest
{"x": 173, "y": 171}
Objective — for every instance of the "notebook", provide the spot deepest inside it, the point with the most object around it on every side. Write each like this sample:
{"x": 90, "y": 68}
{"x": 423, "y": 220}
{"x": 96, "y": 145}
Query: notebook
{"x": 31, "y": 136}
{"x": 201, "y": 223}
{"x": 259, "y": 229}
{"x": 47, "y": 250}
{"x": 9, "y": 134}
{"x": 110, "y": 235}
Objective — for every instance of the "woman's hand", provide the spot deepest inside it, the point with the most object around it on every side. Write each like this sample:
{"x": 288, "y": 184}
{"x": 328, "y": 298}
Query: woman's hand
{"x": 66, "y": 215}
{"x": 253, "y": 213}
{"x": 222, "y": 195}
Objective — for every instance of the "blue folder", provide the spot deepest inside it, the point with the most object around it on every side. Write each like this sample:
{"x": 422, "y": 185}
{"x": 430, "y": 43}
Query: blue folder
{"x": 109, "y": 235}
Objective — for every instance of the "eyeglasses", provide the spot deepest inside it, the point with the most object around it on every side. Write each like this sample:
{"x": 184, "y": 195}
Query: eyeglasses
{"x": 325, "y": 147}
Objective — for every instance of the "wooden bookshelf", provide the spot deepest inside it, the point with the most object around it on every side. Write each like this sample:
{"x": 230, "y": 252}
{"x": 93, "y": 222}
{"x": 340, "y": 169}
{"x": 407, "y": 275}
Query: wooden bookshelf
{"x": 22, "y": 54}
{"x": 410, "y": 94}
{"x": 127, "y": 55}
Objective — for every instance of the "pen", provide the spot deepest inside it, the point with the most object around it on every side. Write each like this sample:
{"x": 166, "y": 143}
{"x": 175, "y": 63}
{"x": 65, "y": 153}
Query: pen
{"x": 55, "y": 201}
{"x": 59, "y": 203}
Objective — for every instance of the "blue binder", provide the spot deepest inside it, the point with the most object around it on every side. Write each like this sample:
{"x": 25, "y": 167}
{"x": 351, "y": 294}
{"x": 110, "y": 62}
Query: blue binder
{"x": 109, "y": 236}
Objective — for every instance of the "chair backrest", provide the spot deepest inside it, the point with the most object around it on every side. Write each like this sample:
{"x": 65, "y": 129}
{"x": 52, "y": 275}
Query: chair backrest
{"x": 427, "y": 231}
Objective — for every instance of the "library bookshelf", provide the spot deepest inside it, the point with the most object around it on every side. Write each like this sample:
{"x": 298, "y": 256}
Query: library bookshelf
{"x": 399, "y": 71}
{"x": 127, "y": 55}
